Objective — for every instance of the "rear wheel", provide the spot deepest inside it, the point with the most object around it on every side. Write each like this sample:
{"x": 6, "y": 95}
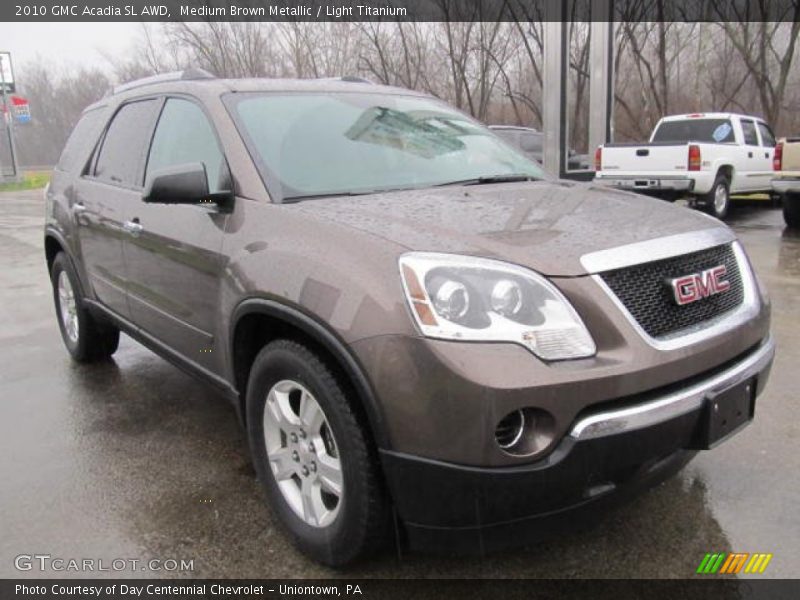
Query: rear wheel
{"x": 313, "y": 455}
{"x": 791, "y": 210}
{"x": 717, "y": 201}
{"x": 86, "y": 338}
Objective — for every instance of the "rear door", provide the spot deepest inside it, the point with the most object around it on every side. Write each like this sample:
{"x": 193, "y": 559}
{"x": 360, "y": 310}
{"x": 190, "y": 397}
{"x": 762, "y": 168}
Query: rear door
{"x": 174, "y": 260}
{"x": 765, "y": 154}
{"x": 751, "y": 169}
{"x": 104, "y": 196}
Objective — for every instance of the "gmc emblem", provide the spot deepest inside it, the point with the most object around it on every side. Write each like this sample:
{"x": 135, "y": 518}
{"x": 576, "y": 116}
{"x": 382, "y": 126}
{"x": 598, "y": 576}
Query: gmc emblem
{"x": 694, "y": 287}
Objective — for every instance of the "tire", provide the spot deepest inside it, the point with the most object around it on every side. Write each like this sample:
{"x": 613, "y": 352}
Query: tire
{"x": 791, "y": 210}
{"x": 86, "y": 338}
{"x": 718, "y": 206}
{"x": 334, "y": 530}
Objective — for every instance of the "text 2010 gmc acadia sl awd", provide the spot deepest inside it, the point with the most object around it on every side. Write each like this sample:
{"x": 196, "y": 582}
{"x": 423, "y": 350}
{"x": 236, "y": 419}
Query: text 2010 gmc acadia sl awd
{"x": 424, "y": 334}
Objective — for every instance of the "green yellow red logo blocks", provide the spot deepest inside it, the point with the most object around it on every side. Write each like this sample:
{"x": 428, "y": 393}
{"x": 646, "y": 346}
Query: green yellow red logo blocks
{"x": 734, "y": 562}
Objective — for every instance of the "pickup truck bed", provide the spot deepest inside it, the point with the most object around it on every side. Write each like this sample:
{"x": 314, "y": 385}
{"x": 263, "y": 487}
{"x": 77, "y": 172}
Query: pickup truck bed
{"x": 708, "y": 156}
{"x": 787, "y": 179}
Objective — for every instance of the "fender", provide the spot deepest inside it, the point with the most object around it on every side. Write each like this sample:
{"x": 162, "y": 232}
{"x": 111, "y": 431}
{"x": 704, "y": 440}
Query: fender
{"x": 50, "y": 231}
{"x": 327, "y": 338}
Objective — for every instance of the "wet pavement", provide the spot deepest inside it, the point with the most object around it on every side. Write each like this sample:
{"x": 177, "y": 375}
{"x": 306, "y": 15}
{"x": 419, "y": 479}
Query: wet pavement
{"x": 133, "y": 459}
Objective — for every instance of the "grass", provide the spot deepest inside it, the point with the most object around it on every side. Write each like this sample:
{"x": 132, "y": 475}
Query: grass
{"x": 31, "y": 180}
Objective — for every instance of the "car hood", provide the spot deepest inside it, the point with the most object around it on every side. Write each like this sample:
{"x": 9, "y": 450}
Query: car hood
{"x": 547, "y": 226}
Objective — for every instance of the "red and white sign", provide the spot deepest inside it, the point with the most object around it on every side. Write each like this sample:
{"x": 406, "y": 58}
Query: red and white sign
{"x": 19, "y": 108}
{"x": 694, "y": 287}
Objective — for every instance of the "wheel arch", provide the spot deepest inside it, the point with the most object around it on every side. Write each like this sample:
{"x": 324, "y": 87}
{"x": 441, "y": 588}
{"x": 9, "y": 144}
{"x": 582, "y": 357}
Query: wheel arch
{"x": 54, "y": 243}
{"x": 727, "y": 170}
{"x": 257, "y": 321}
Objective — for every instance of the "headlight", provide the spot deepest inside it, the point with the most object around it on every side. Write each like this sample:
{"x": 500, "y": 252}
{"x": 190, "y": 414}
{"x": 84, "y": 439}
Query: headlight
{"x": 476, "y": 299}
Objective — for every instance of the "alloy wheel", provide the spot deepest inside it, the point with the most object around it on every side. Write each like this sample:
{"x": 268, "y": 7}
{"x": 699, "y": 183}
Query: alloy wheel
{"x": 68, "y": 307}
{"x": 720, "y": 199}
{"x": 303, "y": 454}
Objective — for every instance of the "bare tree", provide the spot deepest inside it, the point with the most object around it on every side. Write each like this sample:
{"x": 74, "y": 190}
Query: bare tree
{"x": 766, "y": 47}
{"x": 56, "y": 104}
{"x": 224, "y": 49}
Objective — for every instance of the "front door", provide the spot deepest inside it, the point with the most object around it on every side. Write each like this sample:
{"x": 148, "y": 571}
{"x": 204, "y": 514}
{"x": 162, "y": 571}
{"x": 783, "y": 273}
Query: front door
{"x": 174, "y": 260}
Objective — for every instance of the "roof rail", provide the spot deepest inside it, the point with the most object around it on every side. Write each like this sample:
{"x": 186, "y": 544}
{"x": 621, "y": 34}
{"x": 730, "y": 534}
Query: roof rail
{"x": 185, "y": 75}
{"x": 346, "y": 79}
{"x": 354, "y": 79}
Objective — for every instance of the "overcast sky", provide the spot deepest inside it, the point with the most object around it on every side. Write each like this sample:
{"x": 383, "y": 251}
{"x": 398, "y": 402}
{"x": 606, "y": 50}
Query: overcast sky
{"x": 66, "y": 44}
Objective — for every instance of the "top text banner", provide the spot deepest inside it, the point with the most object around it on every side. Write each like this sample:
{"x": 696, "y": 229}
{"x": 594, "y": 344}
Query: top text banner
{"x": 397, "y": 10}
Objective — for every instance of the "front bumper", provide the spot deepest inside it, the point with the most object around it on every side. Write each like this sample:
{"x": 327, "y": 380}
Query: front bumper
{"x": 608, "y": 456}
{"x": 647, "y": 183}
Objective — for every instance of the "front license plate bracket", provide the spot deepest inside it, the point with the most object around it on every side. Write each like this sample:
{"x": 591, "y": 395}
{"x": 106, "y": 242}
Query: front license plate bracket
{"x": 725, "y": 413}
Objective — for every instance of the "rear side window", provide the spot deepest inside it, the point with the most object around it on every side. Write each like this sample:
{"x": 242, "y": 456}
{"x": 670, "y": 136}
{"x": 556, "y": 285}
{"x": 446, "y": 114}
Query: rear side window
{"x": 713, "y": 131}
{"x": 124, "y": 147}
{"x": 184, "y": 135}
{"x": 749, "y": 131}
{"x": 531, "y": 142}
{"x": 81, "y": 141}
{"x": 509, "y": 135}
{"x": 767, "y": 137}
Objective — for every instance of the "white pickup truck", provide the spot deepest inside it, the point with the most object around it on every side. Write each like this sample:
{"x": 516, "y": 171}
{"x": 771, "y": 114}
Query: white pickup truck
{"x": 787, "y": 179}
{"x": 708, "y": 156}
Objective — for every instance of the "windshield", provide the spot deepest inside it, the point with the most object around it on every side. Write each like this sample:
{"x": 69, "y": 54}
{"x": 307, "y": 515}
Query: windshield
{"x": 695, "y": 130}
{"x": 312, "y": 144}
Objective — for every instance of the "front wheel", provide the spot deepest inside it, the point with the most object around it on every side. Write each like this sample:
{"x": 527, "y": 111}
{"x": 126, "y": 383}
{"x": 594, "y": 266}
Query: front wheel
{"x": 86, "y": 338}
{"x": 313, "y": 455}
{"x": 718, "y": 199}
{"x": 791, "y": 210}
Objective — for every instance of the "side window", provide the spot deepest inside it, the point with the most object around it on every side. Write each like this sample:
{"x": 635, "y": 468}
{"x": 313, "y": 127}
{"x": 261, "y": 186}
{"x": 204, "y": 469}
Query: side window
{"x": 184, "y": 135}
{"x": 749, "y": 131}
{"x": 509, "y": 136}
{"x": 81, "y": 141}
{"x": 122, "y": 153}
{"x": 531, "y": 142}
{"x": 767, "y": 137}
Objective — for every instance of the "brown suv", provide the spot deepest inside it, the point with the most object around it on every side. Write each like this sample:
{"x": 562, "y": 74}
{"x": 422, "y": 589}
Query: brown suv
{"x": 424, "y": 334}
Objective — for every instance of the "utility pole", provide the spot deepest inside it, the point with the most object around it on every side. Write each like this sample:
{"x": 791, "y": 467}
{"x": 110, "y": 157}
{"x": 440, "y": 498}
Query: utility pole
{"x": 9, "y": 120}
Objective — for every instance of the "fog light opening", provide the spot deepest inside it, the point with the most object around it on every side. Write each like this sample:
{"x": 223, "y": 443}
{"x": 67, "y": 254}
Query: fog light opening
{"x": 510, "y": 429}
{"x": 524, "y": 432}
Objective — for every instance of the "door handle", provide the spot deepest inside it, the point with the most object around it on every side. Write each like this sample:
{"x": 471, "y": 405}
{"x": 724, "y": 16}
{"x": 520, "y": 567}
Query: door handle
{"x": 133, "y": 226}
{"x": 749, "y": 155}
{"x": 766, "y": 154}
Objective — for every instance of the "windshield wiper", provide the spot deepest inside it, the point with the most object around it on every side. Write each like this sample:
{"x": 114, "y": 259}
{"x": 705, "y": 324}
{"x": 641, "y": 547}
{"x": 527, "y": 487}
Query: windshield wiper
{"x": 510, "y": 178}
{"x": 291, "y": 199}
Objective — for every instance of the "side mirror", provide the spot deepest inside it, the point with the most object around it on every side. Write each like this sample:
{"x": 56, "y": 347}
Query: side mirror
{"x": 181, "y": 184}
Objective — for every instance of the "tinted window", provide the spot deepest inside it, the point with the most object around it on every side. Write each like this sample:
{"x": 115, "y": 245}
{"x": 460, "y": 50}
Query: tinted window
{"x": 695, "y": 130}
{"x": 767, "y": 137}
{"x": 509, "y": 135}
{"x": 531, "y": 142}
{"x": 81, "y": 141}
{"x": 184, "y": 135}
{"x": 749, "y": 131}
{"x": 122, "y": 153}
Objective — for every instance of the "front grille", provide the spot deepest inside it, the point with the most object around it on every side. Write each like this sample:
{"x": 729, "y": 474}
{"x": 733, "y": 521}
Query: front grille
{"x": 645, "y": 291}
